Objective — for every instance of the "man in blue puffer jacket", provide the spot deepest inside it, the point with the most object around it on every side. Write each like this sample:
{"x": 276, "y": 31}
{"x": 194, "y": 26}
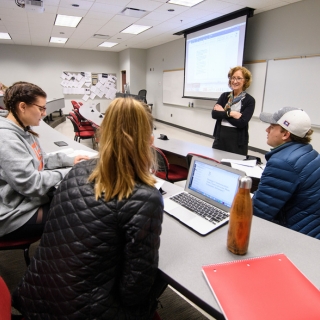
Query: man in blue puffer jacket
{"x": 289, "y": 189}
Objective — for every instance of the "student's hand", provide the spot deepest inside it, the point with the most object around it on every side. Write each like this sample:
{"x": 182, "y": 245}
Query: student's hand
{"x": 80, "y": 158}
{"x": 217, "y": 107}
{"x": 235, "y": 114}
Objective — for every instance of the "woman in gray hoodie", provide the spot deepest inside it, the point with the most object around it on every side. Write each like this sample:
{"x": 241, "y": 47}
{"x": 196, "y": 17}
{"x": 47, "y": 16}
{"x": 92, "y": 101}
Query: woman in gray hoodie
{"x": 27, "y": 174}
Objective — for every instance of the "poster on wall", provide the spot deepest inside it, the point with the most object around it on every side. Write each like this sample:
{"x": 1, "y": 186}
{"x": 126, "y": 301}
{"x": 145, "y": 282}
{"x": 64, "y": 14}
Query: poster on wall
{"x": 89, "y": 85}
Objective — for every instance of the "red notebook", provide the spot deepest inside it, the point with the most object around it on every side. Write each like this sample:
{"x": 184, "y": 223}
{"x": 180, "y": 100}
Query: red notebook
{"x": 264, "y": 288}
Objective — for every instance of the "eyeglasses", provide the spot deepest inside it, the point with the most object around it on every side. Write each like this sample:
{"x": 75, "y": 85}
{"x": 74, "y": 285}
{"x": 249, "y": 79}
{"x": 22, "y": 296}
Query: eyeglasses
{"x": 235, "y": 79}
{"x": 41, "y": 109}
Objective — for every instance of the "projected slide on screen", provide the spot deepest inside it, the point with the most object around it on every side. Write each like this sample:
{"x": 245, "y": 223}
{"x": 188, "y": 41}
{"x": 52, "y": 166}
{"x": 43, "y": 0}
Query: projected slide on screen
{"x": 210, "y": 53}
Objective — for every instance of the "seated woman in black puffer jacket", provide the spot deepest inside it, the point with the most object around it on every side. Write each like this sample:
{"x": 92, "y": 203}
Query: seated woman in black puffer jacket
{"x": 98, "y": 255}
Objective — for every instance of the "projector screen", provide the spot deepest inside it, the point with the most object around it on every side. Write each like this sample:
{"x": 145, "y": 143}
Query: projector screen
{"x": 210, "y": 53}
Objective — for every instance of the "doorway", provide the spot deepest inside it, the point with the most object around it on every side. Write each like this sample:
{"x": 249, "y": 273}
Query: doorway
{"x": 123, "y": 80}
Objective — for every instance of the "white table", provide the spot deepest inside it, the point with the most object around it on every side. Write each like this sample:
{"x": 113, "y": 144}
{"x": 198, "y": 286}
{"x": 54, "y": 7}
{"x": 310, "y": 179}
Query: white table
{"x": 90, "y": 112}
{"x": 54, "y": 105}
{"x": 183, "y": 252}
{"x": 48, "y": 135}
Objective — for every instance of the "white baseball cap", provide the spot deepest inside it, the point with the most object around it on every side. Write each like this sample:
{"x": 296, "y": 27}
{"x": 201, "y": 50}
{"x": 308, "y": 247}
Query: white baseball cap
{"x": 292, "y": 119}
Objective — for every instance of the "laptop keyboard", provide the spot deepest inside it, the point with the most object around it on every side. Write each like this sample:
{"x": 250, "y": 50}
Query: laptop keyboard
{"x": 203, "y": 209}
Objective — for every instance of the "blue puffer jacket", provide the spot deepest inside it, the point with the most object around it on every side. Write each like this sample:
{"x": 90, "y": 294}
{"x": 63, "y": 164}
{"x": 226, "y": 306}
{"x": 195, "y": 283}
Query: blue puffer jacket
{"x": 289, "y": 189}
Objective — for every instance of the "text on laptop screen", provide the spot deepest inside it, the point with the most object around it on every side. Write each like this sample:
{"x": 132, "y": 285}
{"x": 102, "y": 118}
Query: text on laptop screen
{"x": 214, "y": 183}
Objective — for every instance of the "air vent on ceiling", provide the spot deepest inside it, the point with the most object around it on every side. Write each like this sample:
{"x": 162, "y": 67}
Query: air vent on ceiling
{"x": 34, "y": 5}
{"x": 132, "y": 12}
{"x": 101, "y": 36}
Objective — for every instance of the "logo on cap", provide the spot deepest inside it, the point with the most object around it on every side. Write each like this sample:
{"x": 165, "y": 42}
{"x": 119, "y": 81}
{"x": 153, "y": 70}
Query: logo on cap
{"x": 286, "y": 123}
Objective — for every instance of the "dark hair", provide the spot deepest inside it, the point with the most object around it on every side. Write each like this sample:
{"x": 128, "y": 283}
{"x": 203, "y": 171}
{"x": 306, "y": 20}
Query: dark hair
{"x": 22, "y": 92}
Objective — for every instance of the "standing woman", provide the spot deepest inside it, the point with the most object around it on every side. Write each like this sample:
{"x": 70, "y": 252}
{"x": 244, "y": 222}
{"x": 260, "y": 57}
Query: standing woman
{"x": 26, "y": 173}
{"x": 98, "y": 255}
{"x": 233, "y": 112}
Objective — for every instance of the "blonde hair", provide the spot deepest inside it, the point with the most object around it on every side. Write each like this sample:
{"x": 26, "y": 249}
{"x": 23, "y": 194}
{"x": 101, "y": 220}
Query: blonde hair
{"x": 125, "y": 151}
{"x": 246, "y": 74}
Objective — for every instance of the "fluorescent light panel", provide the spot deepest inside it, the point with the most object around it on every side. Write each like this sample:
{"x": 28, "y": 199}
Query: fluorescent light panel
{"x": 58, "y": 40}
{"x": 107, "y": 44}
{"x": 186, "y": 3}
{"x": 135, "y": 29}
{"x": 67, "y": 21}
{"x": 4, "y": 35}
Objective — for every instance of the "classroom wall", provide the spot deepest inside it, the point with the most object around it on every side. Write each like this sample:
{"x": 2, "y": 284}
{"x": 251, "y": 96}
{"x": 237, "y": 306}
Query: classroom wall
{"x": 283, "y": 32}
{"x": 133, "y": 61}
{"x": 43, "y": 66}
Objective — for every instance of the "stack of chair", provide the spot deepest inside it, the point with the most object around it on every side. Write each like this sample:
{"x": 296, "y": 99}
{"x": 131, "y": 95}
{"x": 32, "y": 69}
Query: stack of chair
{"x": 82, "y": 131}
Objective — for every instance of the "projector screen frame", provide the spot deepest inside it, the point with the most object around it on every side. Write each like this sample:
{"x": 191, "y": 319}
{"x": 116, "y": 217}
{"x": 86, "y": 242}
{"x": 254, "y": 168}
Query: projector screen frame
{"x": 248, "y": 12}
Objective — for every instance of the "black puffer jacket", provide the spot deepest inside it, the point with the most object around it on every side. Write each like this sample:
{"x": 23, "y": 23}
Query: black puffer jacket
{"x": 96, "y": 260}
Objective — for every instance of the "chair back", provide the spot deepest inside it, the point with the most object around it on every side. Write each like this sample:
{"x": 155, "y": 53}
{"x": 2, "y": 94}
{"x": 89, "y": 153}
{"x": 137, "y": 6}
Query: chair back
{"x": 190, "y": 155}
{"x": 143, "y": 94}
{"x": 75, "y": 104}
{"x": 79, "y": 116}
{"x": 74, "y": 123}
{"x": 162, "y": 162}
{"x": 5, "y": 301}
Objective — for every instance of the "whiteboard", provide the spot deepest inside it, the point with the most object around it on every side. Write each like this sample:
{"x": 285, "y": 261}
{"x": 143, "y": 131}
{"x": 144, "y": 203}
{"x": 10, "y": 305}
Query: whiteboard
{"x": 294, "y": 83}
{"x": 173, "y": 87}
{"x": 256, "y": 89}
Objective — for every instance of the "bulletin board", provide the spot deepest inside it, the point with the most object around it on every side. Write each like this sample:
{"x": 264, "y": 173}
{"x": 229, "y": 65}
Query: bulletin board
{"x": 89, "y": 85}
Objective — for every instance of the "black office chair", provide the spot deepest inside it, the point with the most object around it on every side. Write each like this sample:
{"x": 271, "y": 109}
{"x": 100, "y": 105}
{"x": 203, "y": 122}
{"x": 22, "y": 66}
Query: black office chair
{"x": 143, "y": 94}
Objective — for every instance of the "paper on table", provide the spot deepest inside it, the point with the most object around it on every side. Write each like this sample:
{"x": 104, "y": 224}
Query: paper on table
{"x": 72, "y": 153}
{"x": 247, "y": 163}
{"x": 159, "y": 183}
{"x": 254, "y": 172}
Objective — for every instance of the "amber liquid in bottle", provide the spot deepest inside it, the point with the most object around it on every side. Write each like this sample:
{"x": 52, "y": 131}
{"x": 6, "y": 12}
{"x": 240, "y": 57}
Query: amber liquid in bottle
{"x": 240, "y": 219}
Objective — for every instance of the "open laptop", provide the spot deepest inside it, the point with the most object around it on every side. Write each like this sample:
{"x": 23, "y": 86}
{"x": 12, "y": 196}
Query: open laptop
{"x": 210, "y": 189}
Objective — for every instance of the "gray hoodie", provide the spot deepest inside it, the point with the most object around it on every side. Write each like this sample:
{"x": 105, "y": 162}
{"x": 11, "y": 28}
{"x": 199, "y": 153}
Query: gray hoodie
{"x": 26, "y": 175}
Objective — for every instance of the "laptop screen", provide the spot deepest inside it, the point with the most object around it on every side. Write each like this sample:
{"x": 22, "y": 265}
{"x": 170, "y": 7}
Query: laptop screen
{"x": 214, "y": 182}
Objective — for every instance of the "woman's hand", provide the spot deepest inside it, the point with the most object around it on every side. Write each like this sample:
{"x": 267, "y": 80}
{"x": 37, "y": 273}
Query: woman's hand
{"x": 235, "y": 114}
{"x": 217, "y": 107}
{"x": 79, "y": 158}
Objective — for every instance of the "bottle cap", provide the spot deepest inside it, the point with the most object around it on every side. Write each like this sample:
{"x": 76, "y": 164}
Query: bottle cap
{"x": 245, "y": 182}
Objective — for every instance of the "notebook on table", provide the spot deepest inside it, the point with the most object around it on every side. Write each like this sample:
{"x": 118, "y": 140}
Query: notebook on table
{"x": 205, "y": 203}
{"x": 264, "y": 288}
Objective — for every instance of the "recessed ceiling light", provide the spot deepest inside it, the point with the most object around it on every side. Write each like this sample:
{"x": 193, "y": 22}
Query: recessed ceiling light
{"x": 135, "y": 29}
{"x": 5, "y": 36}
{"x": 107, "y": 44}
{"x": 186, "y": 3}
{"x": 58, "y": 40}
{"x": 67, "y": 21}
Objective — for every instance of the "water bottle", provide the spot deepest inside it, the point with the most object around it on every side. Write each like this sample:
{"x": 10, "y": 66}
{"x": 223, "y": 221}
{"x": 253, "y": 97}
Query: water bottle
{"x": 240, "y": 219}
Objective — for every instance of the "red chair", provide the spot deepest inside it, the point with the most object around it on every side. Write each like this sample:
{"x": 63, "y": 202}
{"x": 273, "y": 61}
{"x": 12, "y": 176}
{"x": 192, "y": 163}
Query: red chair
{"x": 23, "y": 244}
{"x": 5, "y": 301}
{"x": 75, "y": 104}
{"x": 83, "y": 121}
{"x": 80, "y": 133}
{"x": 190, "y": 155}
{"x": 170, "y": 172}
{"x": 83, "y": 126}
